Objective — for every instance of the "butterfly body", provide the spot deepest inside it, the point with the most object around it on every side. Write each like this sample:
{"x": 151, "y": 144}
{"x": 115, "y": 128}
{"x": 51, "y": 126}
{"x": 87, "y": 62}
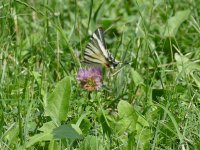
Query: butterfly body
{"x": 97, "y": 53}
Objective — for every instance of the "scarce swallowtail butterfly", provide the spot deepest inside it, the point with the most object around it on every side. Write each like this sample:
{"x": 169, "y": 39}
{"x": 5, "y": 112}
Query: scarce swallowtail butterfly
{"x": 96, "y": 51}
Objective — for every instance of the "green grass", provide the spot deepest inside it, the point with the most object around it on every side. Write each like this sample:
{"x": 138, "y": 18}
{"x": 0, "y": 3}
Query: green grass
{"x": 154, "y": 103}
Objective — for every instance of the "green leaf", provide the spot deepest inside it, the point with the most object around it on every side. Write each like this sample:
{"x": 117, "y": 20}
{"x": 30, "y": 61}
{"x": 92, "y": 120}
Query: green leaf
{"x": 128, "y": 116}
{"x": 137, "y": 126}
{"x": 142, "y": 121}
{"x": 143, "y": 138}
{"x": 185, "y": 65}
{"x": 137, "y": 79}
{"x": 61, "y": 132}
{"x": 175, "y": 22}
{"x": 47, "y": 126}
{"x": 67, "y": 131}
{"x": 45, "y": 136}
{"x": 58, "y": 101}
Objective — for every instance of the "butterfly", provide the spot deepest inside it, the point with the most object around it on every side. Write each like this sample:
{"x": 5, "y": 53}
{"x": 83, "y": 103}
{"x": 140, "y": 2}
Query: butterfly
{"x": 96, "y": 51}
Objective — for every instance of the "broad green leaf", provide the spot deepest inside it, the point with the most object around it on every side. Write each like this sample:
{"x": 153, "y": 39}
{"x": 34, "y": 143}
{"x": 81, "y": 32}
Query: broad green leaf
{"x": 143, "y": 138}
{"x": 143, "y": 133}
{"x": 185, "y": 64}
{"x": 135, "y": 124}
{"x": 61, "y": 132}
{"x": 128, "y": 116}
{"x": 47, "y": 126}
{"x": 142, "y": 121}
{"x": 174, "y": 23}
{"x": 187, "y": 67}
{"x": 126, "y": 110}
{"x": 67, "y": 131}
{"x": 58, "y": 101}
{"x": 45, "y": 136}
{"x": 137, "y": 79}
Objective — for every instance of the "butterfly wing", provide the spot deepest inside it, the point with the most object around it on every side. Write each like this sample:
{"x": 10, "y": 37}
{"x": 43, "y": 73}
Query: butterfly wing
{"x": 96, "y": 51}
{"x": 99, "y": 37}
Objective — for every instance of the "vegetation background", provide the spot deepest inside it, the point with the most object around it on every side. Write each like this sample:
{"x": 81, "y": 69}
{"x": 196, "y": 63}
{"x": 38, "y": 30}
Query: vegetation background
{"x": 151, "y": 104}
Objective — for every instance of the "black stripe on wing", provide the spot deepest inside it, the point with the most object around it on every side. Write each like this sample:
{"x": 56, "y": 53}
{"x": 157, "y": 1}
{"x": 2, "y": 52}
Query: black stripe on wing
{"x": 94, "y": 56}
{"x": 97, "y": 40}
{"x": 92, "y": 59}
{"x": 96, "y": 52}
{"x": 100, "y": 34}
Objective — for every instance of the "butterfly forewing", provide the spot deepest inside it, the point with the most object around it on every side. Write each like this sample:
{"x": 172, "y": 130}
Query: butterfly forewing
{"x": 99, "y": 33}
{"x": 96, "y": 51}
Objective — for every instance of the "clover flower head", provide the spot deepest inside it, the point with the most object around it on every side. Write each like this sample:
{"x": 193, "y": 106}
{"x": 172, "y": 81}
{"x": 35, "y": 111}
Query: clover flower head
{"x": 90, "y": 79}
